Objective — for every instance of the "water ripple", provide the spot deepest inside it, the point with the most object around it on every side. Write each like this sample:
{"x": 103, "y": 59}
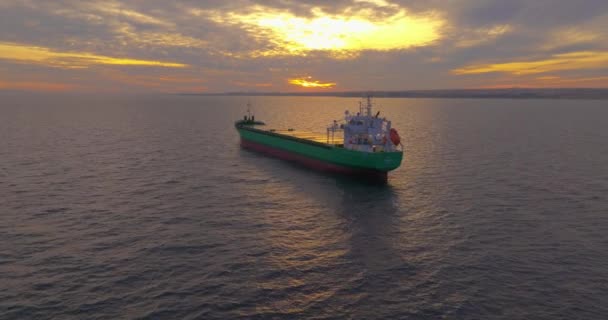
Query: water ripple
{"x": 124, "y": 208}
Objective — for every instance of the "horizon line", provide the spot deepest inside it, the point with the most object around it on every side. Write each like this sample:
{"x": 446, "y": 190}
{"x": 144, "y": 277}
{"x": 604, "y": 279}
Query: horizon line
{"x": 514, "y": 92}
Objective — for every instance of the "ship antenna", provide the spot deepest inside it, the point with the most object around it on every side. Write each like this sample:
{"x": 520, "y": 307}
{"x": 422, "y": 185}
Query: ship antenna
{"x": 249, "y": 109}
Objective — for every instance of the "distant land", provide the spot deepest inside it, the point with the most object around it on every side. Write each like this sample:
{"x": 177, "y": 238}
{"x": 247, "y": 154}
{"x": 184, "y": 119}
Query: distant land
{"x": 511, "y": 93}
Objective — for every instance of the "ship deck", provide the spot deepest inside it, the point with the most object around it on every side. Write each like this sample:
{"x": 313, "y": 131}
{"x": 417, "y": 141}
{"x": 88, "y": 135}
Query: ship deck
{"x": 338, "y": 139}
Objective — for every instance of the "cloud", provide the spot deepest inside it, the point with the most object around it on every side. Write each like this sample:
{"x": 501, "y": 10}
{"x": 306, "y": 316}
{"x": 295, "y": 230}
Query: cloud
{"x": 559, "y": 62}
{"x": 45, "y": 56}
{"x": 127, "y": 34}
{"x": 37, "y": 86}
{"x": 342, "y": 35}
{"x": 156, "y": 81}
{"x": 591, "y": 33}
{"x": 547, "y": 82}
{"x": 259, "y": 44}
{"x": 474, "y": 37}
{"x": 117, "y": 9}
{"x": 252, "y": 84}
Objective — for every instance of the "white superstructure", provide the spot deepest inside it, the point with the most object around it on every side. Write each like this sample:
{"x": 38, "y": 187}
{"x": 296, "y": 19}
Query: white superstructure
{"x": 364, "y": 131}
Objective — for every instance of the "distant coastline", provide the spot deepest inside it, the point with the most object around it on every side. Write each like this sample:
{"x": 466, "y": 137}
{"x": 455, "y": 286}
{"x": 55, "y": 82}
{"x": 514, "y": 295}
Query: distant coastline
{"x": 512, "y": 93}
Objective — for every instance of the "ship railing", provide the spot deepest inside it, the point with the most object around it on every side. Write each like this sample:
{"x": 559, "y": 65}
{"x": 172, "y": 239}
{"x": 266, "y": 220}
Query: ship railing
{"x": 372, "y": 147}
{"x": 331, "y": 132}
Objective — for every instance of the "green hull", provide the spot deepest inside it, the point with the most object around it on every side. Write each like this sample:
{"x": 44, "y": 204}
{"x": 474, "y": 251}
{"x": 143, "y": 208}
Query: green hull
{"x": 319, "y": 152}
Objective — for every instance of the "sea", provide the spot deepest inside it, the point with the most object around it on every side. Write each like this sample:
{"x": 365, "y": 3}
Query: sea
{"x": 145, "y": 207}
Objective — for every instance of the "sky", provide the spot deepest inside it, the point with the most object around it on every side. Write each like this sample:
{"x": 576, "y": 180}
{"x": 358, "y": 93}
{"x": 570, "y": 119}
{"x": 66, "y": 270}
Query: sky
{"x": 193, "y": 46}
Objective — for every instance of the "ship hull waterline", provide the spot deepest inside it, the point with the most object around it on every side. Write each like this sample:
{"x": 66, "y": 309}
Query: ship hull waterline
{"x": 321, "y": 157}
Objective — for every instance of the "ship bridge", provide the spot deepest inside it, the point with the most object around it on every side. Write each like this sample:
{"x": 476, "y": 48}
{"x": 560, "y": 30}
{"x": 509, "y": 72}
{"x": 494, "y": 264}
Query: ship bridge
{"x": 364, "y": 131}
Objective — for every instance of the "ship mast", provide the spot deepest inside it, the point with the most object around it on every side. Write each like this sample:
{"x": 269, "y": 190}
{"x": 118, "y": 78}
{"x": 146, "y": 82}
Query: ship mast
{"x": 368, "y": 107}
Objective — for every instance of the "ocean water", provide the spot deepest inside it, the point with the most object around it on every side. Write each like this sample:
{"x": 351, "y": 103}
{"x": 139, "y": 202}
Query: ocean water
{"x": 145, "y": 207}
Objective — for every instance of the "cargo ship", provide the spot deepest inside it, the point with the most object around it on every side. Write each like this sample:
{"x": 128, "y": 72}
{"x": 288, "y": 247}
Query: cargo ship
{"x": 362, "y": 144}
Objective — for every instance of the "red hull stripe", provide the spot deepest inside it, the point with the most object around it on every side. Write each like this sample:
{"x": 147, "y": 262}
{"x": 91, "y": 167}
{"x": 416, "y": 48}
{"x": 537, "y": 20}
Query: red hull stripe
{"x": 310, "y": 162}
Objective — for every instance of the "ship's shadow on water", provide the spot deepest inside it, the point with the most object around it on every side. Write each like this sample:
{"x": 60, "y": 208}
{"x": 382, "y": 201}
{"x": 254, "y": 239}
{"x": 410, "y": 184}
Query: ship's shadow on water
{"x": 369, "y": 219}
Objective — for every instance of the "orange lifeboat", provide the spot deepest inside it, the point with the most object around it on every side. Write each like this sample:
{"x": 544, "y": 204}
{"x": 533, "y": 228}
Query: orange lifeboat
{"x": 395, "y": 138}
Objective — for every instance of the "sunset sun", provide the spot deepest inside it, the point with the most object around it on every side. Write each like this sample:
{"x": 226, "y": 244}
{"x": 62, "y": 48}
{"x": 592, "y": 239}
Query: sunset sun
{"x": 308, "y": 82}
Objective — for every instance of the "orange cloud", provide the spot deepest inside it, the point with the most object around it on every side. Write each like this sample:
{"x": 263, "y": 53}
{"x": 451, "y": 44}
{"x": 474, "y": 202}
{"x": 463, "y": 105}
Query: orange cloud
{"x": 250, "y": 84}
{"x": 307, "y": 82}
{"x": 555, "y": 81}
{"x": 46, "y": 56}
{"x": 559, "y": 62}
{"x": 163, "y": 83}
{"x": 549, "y": 82}
{"x": 36, "y": 86}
